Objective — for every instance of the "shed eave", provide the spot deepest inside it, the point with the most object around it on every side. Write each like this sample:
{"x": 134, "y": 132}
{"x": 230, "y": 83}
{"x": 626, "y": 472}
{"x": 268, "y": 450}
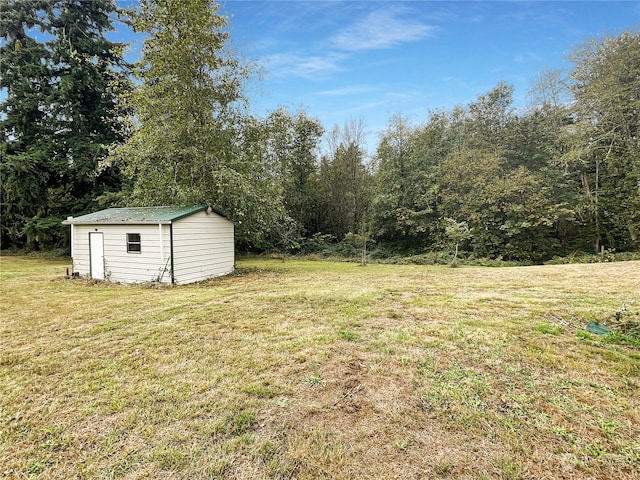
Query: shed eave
{"x": 188, "y": 214}
{"x": 122, "y": 222}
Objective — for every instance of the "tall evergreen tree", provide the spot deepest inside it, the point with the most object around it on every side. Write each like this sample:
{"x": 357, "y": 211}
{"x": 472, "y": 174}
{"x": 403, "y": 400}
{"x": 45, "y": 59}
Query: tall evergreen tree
{"x": 61, "y": 112}
{"x": 26, "y": 77}
{"x": 87, "y": 107}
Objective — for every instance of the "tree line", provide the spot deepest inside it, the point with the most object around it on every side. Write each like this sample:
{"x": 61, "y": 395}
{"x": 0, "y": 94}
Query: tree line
{"x": 84, "y": 130}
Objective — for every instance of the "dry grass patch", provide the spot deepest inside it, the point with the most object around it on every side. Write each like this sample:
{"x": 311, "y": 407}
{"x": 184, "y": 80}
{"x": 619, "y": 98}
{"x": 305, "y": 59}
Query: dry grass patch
{"x": 319, "y": 370}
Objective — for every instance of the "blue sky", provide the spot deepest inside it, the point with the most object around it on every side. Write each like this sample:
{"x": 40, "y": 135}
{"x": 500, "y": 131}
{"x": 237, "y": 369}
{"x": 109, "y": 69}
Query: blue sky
{"x": 342, "y": 60}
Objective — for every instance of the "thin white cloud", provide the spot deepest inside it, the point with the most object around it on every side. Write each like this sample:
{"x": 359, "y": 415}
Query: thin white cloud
{"x": 403, "y": 95}
{"x": 379, "y": 30}
{"x": 526, "y": 57}
{"x": 306, "y": 66}
{"x": 346, "y": 91}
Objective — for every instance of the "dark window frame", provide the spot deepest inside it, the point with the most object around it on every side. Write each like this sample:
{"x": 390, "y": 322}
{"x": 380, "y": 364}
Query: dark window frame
{"x": 134, "y": 245}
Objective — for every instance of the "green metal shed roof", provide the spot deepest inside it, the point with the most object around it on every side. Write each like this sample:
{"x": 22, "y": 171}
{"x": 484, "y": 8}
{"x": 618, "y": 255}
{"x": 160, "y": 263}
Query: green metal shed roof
{"x": 136, "y": 215}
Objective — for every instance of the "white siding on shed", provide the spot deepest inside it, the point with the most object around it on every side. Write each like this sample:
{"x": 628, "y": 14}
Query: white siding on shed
{"x": 151, "y": 264}
{"x": 203, "y": 247}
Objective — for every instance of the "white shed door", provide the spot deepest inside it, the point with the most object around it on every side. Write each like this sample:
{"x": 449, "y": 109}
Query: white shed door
{"x": 96, "y": 250}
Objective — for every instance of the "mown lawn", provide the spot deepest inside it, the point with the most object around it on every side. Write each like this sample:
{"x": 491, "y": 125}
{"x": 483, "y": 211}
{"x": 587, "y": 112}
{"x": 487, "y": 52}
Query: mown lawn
{"x": 319, "y": 370}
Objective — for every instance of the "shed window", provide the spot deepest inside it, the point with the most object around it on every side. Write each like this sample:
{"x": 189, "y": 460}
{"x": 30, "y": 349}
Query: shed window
{"x": 133, "y": 243}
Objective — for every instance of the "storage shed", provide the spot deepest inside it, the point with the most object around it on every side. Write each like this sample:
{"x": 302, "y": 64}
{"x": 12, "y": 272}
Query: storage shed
{"x": 162, "y": 244}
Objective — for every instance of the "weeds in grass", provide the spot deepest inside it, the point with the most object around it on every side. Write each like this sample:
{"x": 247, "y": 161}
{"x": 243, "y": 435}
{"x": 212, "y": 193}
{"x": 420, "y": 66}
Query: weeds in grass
{"x": 550, "y": 329}
{"x": 313, "y": 380}
{"x": 455, "y": 389}
{"x": 582, "y": 335}
{"x": 168, "y": 457}
{"x": 349, "y": 335}
{"x": 623, "y": 326}
{"x": 610, "y": 427}
{"x": 442, "y": 468}
{"x": 402, "y": 444}
{"x": 616, "y": 338}
{"x": 263, "y": 390}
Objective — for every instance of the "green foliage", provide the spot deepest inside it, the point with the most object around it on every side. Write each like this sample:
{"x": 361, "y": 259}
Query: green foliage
{"x": 456, "y": 232}
{"x": 60, "y": 113}
{"x": 316, "y": 243}
{"x": 343, "y": 181}
{"x": 502, "y": 207}
{"x": 577, "y": 257}
{"x": 405, "y": 182}
{"x": 606, "y": 85}
{"x": 550, "y": 329}
{"x": 543, "y": 184}
{"x": 289, "y": 145}
{"x": 286, "y": 144}
{"x": 348, "y": 335}
{"x": 559, "y": 178}
{"x": 625, "y": 326}
{"x": 632, "y": 340}
{"x": 582, "y": 335}
{"x": 194, "y": 142}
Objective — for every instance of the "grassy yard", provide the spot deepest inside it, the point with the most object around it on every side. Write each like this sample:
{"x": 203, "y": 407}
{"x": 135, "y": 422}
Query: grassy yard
{"x": 319, "y": 370}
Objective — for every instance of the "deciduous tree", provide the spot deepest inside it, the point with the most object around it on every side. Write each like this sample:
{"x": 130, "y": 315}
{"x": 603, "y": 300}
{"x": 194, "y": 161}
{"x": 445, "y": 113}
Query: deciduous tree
{"x": 605, "y": 83}
{"x": 406, "y": 181}
{"x": 195, "y": 141}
